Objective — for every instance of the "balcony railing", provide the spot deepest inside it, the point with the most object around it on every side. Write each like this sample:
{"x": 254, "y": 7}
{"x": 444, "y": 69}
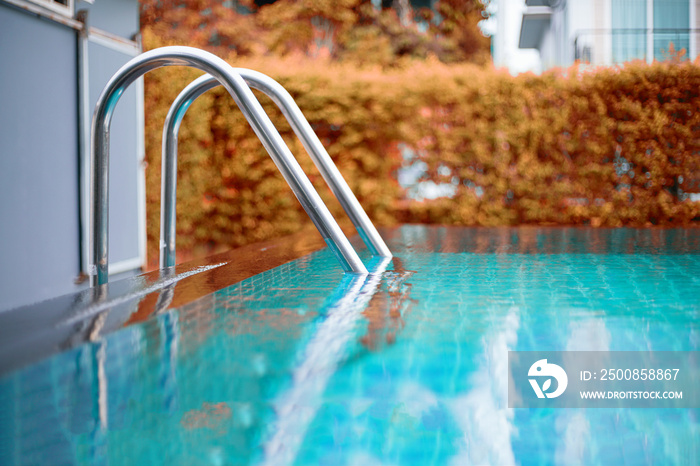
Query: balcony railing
{"x": 613, "y": 46}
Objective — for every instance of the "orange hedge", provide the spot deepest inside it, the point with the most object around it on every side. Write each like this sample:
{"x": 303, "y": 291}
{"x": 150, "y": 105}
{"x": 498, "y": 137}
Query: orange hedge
{"x": 605, "y": 147}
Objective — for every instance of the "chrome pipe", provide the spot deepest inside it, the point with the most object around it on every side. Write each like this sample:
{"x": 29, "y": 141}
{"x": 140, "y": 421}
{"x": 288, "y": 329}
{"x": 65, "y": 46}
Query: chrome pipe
{"x": 258, "y": 120}
{"x": 302, "y": 129}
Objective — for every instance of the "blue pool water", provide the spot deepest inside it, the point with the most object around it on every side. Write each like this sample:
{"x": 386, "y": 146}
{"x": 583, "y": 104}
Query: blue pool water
{"x": 303, "y": 365}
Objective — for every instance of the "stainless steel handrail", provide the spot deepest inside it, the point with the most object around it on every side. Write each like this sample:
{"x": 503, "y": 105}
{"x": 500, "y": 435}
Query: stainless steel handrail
{"x": 302, "y": 129}
{"x": 258, "y": 120}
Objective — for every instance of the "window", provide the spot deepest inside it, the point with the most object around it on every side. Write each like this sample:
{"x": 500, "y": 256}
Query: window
{"x": 671, "y": 24}
{"x": 629, "y": 22}
{"x": 59, "y": 6}
{"x": 644, "y": 29}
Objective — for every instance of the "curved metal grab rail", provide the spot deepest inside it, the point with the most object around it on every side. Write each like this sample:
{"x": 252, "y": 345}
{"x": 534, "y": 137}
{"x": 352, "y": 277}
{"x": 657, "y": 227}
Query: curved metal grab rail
{"x": 253, "y": 112}
{"x": 302, "y": 129}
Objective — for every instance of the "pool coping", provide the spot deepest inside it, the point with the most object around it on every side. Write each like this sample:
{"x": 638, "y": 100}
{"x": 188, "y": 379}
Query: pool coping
{"x": 33, "y": 332}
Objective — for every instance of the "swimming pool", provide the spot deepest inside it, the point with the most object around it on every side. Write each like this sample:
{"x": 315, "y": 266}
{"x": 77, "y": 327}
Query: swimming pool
{"x": 301, "y": 364}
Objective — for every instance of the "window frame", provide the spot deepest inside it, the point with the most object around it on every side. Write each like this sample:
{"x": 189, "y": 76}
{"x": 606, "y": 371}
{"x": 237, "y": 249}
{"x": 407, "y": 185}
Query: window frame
{"x": 650, "y": 52}
{"x": 56, "y": 7}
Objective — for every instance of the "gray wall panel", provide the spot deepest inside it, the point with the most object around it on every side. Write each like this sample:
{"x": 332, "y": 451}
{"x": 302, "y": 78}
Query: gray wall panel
{"x": 120, "y": 17}
{"x": 40, "y": 192}
{"x": 39, "y": 223}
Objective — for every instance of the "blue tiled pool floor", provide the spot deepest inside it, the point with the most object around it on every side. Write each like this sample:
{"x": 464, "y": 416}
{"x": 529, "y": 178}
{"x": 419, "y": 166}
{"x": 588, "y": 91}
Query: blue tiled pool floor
{"x": 303, "y": 365}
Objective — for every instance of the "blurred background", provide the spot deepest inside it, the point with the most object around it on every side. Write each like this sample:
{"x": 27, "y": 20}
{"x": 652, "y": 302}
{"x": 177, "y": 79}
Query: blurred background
{"x": 501, "y": 112}
{"x": 463, "y": 112}
{"x": 537, "y": 35}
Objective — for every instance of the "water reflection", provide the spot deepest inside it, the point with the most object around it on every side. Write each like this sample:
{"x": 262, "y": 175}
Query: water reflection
{"x": 572, "y": 426}
{"x": 483, "y": 414}
{"x": 169, "y": 341}
{"x": 297, "y": 406}
{"x": 211, "y": 416}
{"x": 385, "y": 311}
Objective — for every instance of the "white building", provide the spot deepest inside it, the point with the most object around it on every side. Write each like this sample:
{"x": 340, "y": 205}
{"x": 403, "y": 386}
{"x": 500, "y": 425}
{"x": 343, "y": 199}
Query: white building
{"x": 605, "y": 32}
{"x": 503, "y": 27}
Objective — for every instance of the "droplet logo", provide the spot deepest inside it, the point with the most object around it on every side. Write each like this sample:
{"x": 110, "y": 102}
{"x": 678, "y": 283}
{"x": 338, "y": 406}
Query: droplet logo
{"x": 543, "y": 369}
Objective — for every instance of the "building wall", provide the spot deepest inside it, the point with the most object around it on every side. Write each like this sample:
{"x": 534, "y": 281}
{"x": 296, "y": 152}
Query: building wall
{"x": 601, "y": 28}
{"x": 582, "y": 16}
{"x": 119, "y": 17}
{"x": 572, "y": 20}
{"x": 557, "y": 44}
{"x": 39, "y": 236}
{"x": 602, "y": 43}
{"x": 42, "y": 241}
{"x": 551, "y": 42}
{"x": 506, "y": 34}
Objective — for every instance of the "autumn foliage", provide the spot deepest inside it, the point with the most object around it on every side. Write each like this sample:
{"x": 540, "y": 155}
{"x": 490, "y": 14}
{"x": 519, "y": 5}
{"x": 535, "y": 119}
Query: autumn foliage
{"x": 357, "y": 31}
{"x": 603, "y": 147}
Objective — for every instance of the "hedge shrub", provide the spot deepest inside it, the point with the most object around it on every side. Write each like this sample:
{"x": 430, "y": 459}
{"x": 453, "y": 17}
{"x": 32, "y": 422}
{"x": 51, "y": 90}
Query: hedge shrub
{"x": 604, "y": 147}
